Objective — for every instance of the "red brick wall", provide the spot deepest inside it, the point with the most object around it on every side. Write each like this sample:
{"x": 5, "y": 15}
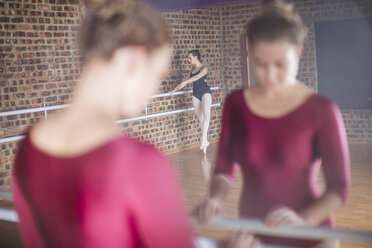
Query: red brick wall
{"x": 192, "y": 29}
{"x": 39, "y": 63}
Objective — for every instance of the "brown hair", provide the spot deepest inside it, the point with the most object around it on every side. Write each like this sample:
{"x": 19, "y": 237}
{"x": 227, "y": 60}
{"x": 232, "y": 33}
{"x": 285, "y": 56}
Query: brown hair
{"x": 277, "y": 20}
{"x": 111, "y": 24}
{"x": 195, "y": 53}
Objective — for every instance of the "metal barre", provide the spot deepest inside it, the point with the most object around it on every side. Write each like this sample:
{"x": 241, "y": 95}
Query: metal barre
{"x": 33, "y": 110}
{"x": 6, "y": 195}
{"x": 137, "y": 118}
{"x": 257, "y": 227}
{"x": 41, "y": 109}
{"x": 160, "y": 114}
{"x": 8, "y": 214}
{"x": 177, "y": 93}
{"x": 146, "y": 116}
{"x": 304, "y": 232}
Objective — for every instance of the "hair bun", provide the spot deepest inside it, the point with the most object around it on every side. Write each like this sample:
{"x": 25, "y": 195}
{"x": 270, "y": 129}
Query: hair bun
{"x": 277, "y": 19}
{"x": 277, "y": 7}
{"x": 107, "y": 9}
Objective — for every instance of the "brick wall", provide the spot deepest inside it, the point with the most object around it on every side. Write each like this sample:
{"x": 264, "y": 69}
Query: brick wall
{"x": 39, "y": 63}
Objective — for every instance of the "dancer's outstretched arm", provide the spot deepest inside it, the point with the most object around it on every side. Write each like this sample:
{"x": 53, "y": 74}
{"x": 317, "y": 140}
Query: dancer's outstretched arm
{"x": 202, "y": 73}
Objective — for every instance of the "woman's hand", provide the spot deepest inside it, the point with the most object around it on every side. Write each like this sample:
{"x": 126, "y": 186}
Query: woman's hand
{"x": 244, "y": 240}
{"x": 179, "y": 86}
{"x": 283, "y": 216}
{"x": 209, "y": 208}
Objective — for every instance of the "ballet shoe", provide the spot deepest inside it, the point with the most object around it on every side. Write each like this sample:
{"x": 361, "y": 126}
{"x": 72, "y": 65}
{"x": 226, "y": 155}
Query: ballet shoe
{"x": 201, "y": 146}
{"x": 204, "y": 147}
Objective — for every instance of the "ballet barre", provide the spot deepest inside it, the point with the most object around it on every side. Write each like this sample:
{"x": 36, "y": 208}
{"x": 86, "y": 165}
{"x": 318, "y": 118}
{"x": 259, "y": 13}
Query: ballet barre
{"x": 6, "y": 195}
{"x": 177, "y": 93}
{"x": 137, "y": 118}
{"x": 257, "y": 227}
{"x": 55, "y": 107}
{"x": 8, "y": 214}
{"x": 301, "y": 232}
{"x": 145, "y": 117}
{"x": 11, "y": 139}
{"x": 33, "y": 110}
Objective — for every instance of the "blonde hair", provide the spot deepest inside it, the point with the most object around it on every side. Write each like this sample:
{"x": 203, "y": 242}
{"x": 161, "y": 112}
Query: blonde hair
{"x": 111, "y": 24}
{"x": 277, "y": 20}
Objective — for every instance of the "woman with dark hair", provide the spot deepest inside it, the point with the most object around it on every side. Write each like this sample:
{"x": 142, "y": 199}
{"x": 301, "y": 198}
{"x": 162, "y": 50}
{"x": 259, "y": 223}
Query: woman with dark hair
{"x": 280, "y": 132}
{"x": 77, "y": 181}
{"x": 202, "y": 98}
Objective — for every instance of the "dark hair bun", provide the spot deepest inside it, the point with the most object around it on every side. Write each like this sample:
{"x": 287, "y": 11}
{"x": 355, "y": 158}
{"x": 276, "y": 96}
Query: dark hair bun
{"x": 108, "y": 9}
{"x": 277, "y": 19}
{"x": 111, "y": 24}
{"x": 278, "y": 7}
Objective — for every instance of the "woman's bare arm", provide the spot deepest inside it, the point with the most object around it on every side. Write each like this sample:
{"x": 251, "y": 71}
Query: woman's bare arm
{"x": 202, "y": 73}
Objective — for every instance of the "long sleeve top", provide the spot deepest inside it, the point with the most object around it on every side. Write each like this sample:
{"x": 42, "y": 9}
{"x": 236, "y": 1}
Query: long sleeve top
{"x": 280, "y": 157}
{"x": 120, "y": 194}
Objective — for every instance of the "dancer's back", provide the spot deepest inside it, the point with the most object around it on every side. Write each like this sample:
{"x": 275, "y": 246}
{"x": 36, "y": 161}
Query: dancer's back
{"x": 116, "y": 195}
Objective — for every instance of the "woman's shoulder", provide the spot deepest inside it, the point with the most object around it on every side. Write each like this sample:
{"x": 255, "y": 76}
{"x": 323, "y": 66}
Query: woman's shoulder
{"x": 234, "y": 97}
{"x": 323, "y": 99}
{"x": 235, "y": 94}
{"x": 315, "y": 98}
{"x": 114, "y": 145}
{"x": 322, "y": 102}
{"x": 203, "y": 69}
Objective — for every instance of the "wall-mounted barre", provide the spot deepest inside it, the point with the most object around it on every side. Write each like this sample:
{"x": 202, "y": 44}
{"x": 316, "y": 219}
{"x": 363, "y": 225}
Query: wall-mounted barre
{"x": 302, "y": 232}
{"x": 33, "y": 110}
{"x": 177, "y": 93}
{"x": 8, "y": 214}
{"x": 137, "y": 118}
{"x": 6, "y": 195}
{"x": 143, "y": 117}
{"x": 43, "y": 109}
{"x": 257, "y": 227}
{"x": 11, "y": 139}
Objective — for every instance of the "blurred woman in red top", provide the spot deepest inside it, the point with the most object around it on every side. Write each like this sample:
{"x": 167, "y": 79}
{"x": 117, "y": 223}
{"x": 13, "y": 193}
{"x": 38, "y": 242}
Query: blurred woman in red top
{"x": 77, "y": 181}
{"x": 279, "y": 132}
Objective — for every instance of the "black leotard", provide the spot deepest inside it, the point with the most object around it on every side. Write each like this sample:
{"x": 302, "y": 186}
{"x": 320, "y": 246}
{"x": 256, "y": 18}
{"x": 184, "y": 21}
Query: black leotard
{"x": 200, "y": 86}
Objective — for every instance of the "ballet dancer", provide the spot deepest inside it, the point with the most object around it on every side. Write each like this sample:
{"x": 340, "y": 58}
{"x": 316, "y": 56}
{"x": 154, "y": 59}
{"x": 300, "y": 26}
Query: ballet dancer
{"x": 280, "y": 132}
{"x": 78, "y": 181}
{"x": 201, "y": 94}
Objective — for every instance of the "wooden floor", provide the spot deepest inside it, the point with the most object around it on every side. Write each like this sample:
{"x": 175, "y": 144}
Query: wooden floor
{"x": 194, "y": 170}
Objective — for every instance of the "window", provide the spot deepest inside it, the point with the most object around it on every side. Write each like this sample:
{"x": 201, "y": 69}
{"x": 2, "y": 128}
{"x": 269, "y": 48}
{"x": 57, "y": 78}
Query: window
{"x": 344, "y": 61}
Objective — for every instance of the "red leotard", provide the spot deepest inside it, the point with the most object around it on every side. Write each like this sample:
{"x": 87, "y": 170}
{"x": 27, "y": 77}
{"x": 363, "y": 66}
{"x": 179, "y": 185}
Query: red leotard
{"x": 280, "y": 157}
{"x": 120, "y": 194}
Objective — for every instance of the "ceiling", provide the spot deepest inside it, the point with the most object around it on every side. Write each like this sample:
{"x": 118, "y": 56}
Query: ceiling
{"x": 171, "y": 5}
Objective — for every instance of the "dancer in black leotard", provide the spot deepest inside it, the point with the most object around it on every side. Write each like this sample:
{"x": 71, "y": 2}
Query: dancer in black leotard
{"x": 202, "y": 98}
{"x": 200, "y": 86}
